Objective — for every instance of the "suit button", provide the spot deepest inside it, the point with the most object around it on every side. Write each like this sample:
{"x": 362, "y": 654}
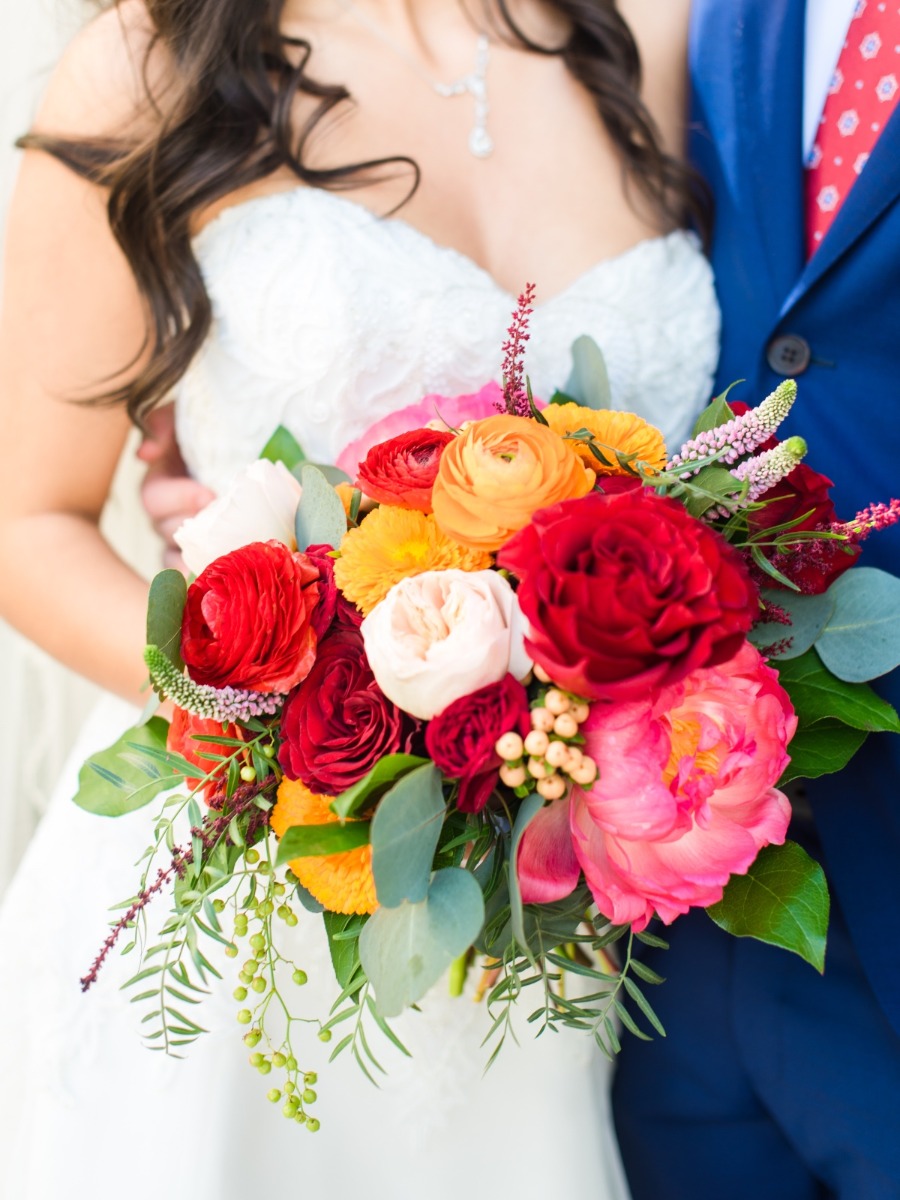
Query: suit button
{"x": 789, "y": 354}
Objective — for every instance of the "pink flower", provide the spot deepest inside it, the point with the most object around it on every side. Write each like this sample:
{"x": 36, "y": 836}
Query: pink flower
{"x": 685, "y": 797}
{"x": 452, "y": 410}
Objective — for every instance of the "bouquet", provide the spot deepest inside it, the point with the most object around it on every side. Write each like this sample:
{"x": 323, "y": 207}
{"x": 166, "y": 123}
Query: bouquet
{"x": 502, "y": 692}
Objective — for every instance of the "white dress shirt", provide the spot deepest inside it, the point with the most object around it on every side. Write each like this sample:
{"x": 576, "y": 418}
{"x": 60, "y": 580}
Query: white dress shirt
{"x": 826, "y": 29}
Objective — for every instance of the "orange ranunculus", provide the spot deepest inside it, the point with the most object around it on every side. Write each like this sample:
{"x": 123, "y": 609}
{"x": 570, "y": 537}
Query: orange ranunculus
{"x": 184, "y": 730}
{"x": 498, "y": 473}
{"x": 342, "y": 882}
{"x": 612, "y": 430}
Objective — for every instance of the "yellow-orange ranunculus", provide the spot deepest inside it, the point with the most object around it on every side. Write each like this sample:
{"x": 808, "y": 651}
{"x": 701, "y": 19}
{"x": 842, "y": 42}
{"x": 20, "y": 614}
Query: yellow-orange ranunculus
{"x": 342, "y": 882}
{"x": 391, "y": 544}
{"x": 622, "y": 431}
{"x": 498, "y": 473}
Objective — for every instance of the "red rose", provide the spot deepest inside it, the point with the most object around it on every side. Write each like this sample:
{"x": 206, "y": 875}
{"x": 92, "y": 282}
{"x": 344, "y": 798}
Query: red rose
{"x": 326, "y": 609}
{"x": 627, "y": 592}
{"x": 181, "y": 739}
{"x": 812, "y": 565}
{"x": 248, "y": 620}
{"x": 402, "y": 470}
{"x": 461, "y": 739}
{"x": 338, "y": 723}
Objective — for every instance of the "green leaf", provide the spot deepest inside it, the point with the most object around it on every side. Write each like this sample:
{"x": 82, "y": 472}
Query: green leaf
{"x": 320, "y": 515}
{"x": 165, "y": 609}
{"x": 715, "y": 414}
{"x": 334, "y": 475}
{"x": 373, "y": 786}
{"x": 718, "y": 482}
{"x": 821, "y": 749}
{"x": 344, "y": 949}
{"x": 588, "y": 384}
{"x": 307, "y": 899}
{"x": 862, "y": 639}
{"x": 310, "y": 841}
{"x": 529, "y": 809}
{"x": 783, "y": 900}
{"x": 405, "y": 950}
{"x": 818, "y": 695}
{"x": 283, "y": 447}
{"x": 405, "y": 832}
{"x": 809, "y": 616}
{"x": 122, "y": 779}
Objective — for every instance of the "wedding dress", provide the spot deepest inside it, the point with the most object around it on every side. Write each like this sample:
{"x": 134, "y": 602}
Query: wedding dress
{"x": 326, "y": 318}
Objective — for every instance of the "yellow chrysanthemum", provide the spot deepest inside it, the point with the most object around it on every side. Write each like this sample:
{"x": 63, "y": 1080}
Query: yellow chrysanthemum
{"x": 622, "y": 431}
{"x": 342, "y": 882}
{"x": 391, "y": 544}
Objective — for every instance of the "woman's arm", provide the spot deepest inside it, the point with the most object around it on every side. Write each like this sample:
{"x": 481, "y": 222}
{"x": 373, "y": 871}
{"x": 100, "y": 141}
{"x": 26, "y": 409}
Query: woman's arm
{"x": 72, "y": 325}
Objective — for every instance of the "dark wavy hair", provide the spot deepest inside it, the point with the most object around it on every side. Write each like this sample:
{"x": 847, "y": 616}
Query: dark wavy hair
{"x": 232, "y": 126}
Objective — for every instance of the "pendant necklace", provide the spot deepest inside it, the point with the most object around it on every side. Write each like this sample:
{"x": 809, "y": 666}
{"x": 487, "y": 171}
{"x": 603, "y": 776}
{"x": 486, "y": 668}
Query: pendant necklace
{"x": 474, "y": 84}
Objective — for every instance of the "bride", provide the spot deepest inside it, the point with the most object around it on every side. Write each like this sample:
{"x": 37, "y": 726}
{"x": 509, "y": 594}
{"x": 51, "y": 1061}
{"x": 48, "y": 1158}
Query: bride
{"x": 279, "y": 211}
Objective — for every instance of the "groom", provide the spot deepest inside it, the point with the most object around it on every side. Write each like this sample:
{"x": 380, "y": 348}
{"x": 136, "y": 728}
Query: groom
{"x": 775, "y": 1083}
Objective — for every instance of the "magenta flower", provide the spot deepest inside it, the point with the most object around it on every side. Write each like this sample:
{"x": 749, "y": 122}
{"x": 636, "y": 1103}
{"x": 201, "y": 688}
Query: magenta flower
{"x": 685, "y": 798}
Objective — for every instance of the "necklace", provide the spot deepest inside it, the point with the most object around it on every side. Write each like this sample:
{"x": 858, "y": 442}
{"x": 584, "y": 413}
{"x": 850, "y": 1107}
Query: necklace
{"x": 474, "y": 84}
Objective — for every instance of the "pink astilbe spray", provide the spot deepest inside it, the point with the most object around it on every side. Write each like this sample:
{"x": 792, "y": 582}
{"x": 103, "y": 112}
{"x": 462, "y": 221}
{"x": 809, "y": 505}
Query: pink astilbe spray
{"x": 515, "y": 397}
{"x": 868, "y": 520}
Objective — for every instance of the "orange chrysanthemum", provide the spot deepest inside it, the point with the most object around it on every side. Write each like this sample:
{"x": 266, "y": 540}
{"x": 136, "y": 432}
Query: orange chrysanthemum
{"x": 622, "y": 431}
{"x": 391, "y": 544}
{"x": 342, "y": 882}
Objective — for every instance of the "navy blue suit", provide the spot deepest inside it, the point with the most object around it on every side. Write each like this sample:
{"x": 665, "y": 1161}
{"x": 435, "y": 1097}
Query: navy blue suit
{"x": 774, "y": 1082}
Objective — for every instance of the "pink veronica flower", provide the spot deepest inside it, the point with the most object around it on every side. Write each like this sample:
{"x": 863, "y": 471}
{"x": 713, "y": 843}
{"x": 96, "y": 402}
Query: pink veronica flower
{"x": 685, "y": 797}
{"x": 453, "y": 410}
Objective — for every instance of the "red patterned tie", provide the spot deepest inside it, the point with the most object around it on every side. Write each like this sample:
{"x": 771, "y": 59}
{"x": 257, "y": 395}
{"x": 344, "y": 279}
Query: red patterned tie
{"x": 864, "y": 91}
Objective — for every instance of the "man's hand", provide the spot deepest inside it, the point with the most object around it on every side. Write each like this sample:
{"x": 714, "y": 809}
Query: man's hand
{"x": 168, "y": 493}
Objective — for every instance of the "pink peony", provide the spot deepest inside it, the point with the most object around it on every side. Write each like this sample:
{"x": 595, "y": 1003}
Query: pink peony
{"x": 452, "y": 410}
{"x": 685, "y": 798}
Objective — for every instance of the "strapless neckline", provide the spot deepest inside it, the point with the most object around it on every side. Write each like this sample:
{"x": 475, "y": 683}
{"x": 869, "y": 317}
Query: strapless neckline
{"x": 337, "y": 207}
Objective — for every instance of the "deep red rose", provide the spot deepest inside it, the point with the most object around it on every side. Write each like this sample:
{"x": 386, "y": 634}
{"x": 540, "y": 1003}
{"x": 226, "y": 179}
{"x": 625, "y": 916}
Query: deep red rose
{"x": 326, "y": 609}
{"x": 338, "y": 723}
{"x": 248, "y": 620}
{"x": 402, "y": 470}
{"x": 812, "y": 565}
{"x": 461, "y": 739}
{"x": 184, "y": 730}
{"x": 627, "y": 592}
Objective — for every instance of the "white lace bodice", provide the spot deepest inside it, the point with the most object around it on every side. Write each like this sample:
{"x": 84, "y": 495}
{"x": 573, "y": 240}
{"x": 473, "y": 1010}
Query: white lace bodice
{"x": 327, "y": 318}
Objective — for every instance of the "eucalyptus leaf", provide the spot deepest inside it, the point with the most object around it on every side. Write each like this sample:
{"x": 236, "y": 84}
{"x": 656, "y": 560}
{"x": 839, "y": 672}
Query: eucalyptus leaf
{"x": 312, "y": 841}
{"x": 372, "y": 787}
{"x": 307, "y": 899}
{"x": 122, "y": 779}
{"x": 588, "y": 384}
{"x": 333, "y": 474}
{"x": 809, "y": 615}
{"x": 165, "y": 610}
{"x": 821, "y": 749}
{"x": 283, "y": 447}
{"x": 817, "y": 694}
{"x": 405, "y": 832}
{"x": 405, "y": 950}
{"x": 783, "y": 900}
{"x": 862, "y": 639}
{"x": 320, "y": 520}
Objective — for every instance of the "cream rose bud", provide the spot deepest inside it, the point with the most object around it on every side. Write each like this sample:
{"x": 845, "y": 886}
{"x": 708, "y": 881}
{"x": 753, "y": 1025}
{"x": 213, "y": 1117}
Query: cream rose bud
{"x": 259, "y": 506}
{"x": 441, "y": 635}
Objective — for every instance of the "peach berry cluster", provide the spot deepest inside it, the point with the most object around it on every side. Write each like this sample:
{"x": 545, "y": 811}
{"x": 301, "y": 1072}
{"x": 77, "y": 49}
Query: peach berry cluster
{"x": 548, "y": 753}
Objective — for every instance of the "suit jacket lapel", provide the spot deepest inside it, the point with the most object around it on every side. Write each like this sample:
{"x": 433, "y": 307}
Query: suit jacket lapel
{"x": 768, "y": 78}
{"x": 875, "y": 190}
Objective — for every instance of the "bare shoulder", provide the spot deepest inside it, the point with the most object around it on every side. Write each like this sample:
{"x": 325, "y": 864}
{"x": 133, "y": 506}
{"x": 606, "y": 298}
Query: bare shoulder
{"x": 660, "y": 28}
{"x": 115, "y": 78}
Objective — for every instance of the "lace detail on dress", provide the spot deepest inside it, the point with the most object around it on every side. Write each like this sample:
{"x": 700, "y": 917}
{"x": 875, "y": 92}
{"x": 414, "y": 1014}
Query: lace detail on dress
{"x": 327, "y": 318}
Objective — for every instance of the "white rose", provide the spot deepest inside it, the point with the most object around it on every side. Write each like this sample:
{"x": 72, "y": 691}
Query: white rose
{"x": 441, "y": 635}
{"x": 259, "y": 506}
